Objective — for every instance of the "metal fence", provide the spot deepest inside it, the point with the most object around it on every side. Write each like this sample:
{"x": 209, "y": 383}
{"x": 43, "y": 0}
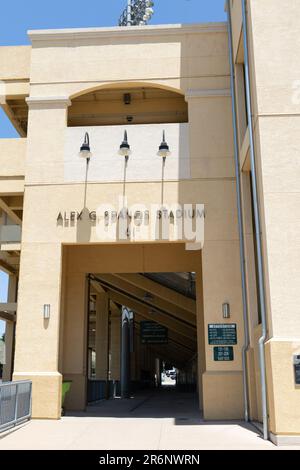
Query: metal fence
{"x": 101, "y": 390}
{"x": 15, "y": 403}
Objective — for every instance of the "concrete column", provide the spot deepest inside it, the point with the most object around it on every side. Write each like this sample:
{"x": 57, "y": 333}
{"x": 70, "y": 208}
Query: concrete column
{"x": 138, "y": 352}
{"x": 102, "y": 311}
{"x": 157, "y": 372}
{"x": 9, "y": 343}
{"x": 153, "y": 368}
{"x": 200, "y": 337}
{"x": 125, "y": 354}
{"x": 10, "y": 332}
{"x": 144, "y": 362}
{"x": 133, "y": 356}
{"x": 75, "y": 340}
{"x": 222, "y": 380}
{"x": 37, "y": 339}
{"x": 115, "y": 344}
{"x": 210, "y": 121}
{"x": 12, "y": 288}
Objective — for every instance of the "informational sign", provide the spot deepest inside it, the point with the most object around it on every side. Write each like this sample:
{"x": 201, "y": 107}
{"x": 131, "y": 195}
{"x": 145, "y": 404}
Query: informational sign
{"x": 153, "y": 333}
{"x": 222, "y": 334}
{"x": 297, "y": 374}
{"x": 297, "y": 369}
{"x": 223, "y": 353}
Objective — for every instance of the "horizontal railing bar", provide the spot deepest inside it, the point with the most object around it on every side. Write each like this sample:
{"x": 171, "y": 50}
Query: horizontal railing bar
{"x": 19, "y": 393}
{"x": 7, "y": 426}
{"x": 10, "y": 384}
{"x": 22, "y": 418}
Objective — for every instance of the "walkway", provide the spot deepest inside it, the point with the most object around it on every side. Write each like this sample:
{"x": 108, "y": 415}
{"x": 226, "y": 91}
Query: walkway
{"x": 164, "y": 420}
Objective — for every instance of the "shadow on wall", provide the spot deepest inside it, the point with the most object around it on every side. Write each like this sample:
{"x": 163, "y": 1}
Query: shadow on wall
{"x": 84, "y": 226}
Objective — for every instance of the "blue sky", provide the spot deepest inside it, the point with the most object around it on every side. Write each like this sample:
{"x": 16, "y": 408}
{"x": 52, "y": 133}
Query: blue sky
{"x": 19, "y": 16}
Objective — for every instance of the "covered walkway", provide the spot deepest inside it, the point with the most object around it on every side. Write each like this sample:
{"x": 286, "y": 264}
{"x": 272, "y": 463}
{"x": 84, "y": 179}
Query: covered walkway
{"x": 160, "y": 420}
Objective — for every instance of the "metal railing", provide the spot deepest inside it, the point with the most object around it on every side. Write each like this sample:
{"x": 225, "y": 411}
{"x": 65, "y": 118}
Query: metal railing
{"x": 15, "y": 403}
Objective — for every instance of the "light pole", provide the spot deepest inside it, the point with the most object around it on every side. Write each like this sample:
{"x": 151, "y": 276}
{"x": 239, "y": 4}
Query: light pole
{"x": 125, "y": 152}
{"x": 85, "y": 152}
{"x": 137, "y": 13}
{"x": 129, "y": 12}
{"x": 125, "y": 353}
{"x": 163, "y": 152}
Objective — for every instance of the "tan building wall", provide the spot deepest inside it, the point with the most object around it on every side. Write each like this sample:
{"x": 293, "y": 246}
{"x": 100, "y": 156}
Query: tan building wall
{"x": 211, "y": 182}
{"x": 275, "y": 101}
{"x": 191, "y": 61}
{"x": 276, "y": 127}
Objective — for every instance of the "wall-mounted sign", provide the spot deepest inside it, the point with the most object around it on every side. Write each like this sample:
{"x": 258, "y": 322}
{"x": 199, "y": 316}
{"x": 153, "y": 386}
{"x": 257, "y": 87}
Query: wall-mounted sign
{"x": 153, "y": 333}
{"x": 297, "y": 369}
{"x": 223, "y": 353}
{"x": 222, "y": 334}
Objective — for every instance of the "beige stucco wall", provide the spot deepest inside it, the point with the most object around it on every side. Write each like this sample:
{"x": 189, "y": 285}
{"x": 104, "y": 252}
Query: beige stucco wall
{"x": 172, "y": 49}
{"x": 277, "y": 140}
{"x": 15, "y": 62}
{"x": 193, "y": 60}
{"x": 12, "y": 157}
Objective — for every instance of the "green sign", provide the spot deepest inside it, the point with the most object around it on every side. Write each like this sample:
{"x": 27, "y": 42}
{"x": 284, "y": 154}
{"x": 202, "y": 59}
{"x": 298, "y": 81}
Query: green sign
{"x": 297, "y": 374}
{"x": 222, "y": 334}
{"x": 153, "y": 333}
{"x": 223, "y": 353}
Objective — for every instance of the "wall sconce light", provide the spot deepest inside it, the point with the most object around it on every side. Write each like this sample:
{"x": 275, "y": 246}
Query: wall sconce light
{"x": 127, "y": 98}
{"x": 46, "y": 311}
{"x": 226, "y": 310}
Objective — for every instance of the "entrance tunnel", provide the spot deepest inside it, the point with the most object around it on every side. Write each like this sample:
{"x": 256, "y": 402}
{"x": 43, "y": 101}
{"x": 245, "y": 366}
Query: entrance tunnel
{"x": 142, "y": 344}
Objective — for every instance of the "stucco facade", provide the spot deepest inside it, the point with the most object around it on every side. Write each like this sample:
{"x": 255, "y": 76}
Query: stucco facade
{"x": 73, "y": 81}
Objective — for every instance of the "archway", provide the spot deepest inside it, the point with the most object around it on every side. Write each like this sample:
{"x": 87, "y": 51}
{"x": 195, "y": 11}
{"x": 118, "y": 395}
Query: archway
{"x": 130, "y": 103}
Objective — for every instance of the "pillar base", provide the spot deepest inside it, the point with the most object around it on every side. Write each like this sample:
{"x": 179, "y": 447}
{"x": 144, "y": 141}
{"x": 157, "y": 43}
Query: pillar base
{"x": 285, "y": 439}
{"x": 46, "y": 393}
{"x": 283, "y": 392}
{"x": 223, "y": 395}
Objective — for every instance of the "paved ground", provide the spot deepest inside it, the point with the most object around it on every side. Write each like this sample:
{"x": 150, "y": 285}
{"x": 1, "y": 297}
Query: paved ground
{"x": 161, "y": 421}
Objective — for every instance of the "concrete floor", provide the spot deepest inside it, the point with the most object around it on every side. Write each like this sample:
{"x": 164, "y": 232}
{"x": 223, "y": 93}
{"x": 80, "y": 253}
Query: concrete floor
{"x": 164, "y": 420}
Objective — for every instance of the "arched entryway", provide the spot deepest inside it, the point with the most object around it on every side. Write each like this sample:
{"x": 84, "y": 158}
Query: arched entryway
{"x": 129, "y": 103}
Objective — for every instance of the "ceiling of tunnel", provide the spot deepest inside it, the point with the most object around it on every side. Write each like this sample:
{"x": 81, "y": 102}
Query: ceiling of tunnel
{"x": 152, "y": 298}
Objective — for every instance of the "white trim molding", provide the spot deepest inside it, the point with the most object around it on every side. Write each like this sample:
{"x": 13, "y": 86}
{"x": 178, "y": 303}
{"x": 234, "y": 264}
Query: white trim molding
{"x": 207, "y": 93}
{"x": 44, "y": 37}
{"x": 48, "y": 102}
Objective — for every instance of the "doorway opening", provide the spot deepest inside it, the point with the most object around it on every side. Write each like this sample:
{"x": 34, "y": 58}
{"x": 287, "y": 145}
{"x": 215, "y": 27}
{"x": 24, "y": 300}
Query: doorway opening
{"x": 129, "y": 312}
{"x": 142, "y": 335}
